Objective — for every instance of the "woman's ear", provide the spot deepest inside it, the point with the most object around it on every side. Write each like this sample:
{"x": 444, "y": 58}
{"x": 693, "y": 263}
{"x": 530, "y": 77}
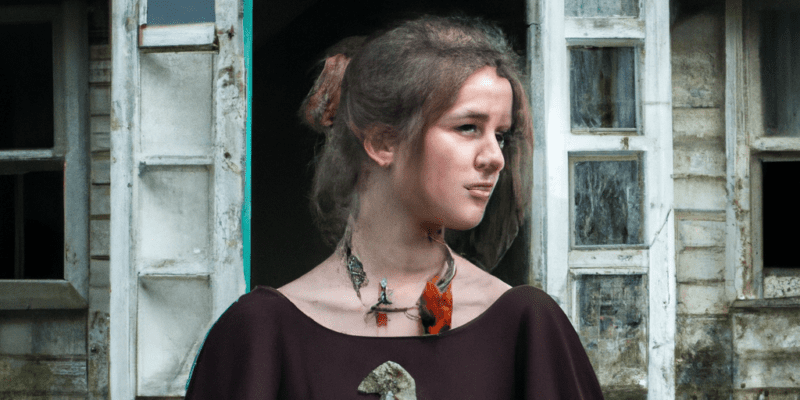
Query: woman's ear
{"x": 379, "y": 147}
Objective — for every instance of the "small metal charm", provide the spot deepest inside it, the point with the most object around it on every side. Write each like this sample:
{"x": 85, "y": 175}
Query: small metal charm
{"x": 382, "y": 299}
{"x": 357, "y": 274}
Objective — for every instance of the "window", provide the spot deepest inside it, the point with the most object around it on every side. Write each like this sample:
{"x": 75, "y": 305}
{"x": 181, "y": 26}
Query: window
{"x": 31, "y": 218}
{"x": 605, "y": 146}
{"x": 767, "y": 143}
{"x": 43, "y": 157}
{"x": 607, "y": 201}
{"x": 603, "y": 89}
{"x": 169, "y": 25}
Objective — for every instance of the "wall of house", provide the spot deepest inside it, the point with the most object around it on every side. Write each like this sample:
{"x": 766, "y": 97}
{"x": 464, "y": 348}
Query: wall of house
{"x": 100, "y": 210}
{"x": 703, "y": 330}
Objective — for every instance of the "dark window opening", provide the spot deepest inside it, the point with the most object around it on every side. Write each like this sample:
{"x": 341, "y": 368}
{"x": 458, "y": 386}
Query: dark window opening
{"x": 780, "y": 214}
{"x": 26, "y": 90}
{"x": 32, "y": 225}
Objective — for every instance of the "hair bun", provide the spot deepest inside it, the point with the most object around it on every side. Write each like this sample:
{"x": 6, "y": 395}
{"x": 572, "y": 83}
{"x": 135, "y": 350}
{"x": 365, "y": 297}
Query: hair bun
{"x": 319, "y": 107}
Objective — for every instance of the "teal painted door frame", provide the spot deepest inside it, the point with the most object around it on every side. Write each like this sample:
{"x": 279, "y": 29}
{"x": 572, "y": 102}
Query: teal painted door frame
{"x": 246, "y": 207}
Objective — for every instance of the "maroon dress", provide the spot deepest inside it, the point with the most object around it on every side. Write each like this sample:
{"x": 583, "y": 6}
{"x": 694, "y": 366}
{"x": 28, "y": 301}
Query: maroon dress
{"x": 522, "y": 347}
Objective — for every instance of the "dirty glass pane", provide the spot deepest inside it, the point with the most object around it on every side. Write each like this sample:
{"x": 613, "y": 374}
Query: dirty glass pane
{"x": 601, "y": 8}
{"x": 779, "y": 212}
{"x": 173, "y": 12}
{"x": 612, "y": 310}
{"x": 602, "y": 87}
{"x": 37, "y": 243}
{"x": 608, "y": 202}
{"x": 780, "y": 72}
{"x": 26, "y": 87}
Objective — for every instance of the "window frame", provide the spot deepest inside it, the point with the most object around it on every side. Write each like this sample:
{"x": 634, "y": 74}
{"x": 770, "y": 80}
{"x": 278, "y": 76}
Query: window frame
{"x": 201, "y": 36}
{"x": 747, "y": 147}
{"x": 561, "y": 263}
{"x": 71, "y": 147}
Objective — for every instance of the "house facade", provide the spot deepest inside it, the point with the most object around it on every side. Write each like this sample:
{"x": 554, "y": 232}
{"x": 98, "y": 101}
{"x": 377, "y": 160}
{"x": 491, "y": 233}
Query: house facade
{"x": 665, "y": 136}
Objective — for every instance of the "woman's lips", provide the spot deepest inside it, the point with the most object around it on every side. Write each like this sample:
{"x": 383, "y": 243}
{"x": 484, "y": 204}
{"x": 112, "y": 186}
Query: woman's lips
{"x": 480, "y": 190}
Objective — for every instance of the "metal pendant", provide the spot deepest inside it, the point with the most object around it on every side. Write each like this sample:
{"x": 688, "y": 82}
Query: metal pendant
{"x": 391, "y": 382}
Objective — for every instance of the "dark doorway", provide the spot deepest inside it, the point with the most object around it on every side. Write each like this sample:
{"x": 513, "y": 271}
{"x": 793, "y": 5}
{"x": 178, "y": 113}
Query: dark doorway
{"x": 289, "y": 38}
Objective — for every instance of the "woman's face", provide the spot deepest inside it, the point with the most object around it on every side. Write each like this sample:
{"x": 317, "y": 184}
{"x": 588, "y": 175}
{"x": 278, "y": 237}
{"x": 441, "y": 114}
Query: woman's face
{"x": 461, "y": 158}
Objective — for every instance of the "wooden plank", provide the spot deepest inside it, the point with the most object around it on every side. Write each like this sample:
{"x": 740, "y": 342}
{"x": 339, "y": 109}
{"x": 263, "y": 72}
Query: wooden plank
{"x": 202, "y": 34}
{"x": 24, "y": 376}
{"x": 603, "y": 28}
{"x": 23, "y": 294}
{"x": 776, "y": 144}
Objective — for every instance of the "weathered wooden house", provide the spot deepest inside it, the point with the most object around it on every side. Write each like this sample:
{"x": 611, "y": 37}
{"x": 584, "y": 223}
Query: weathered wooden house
{"x": 667, "y": 136}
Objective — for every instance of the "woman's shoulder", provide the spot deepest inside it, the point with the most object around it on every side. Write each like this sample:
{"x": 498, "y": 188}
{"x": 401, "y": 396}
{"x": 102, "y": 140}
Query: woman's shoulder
{"x": 262, "y": 303}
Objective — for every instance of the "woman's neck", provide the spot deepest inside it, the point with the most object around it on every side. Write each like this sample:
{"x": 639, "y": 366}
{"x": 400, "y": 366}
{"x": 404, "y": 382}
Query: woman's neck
{"x": 390, "y": 245}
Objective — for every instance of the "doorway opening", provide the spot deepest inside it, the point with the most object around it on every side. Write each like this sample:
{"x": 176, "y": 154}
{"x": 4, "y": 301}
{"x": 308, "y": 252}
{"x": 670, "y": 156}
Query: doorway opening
{"x": 290, "y": 37}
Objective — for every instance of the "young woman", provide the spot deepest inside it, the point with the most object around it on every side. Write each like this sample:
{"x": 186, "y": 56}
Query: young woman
{"x": 425, "y": 122}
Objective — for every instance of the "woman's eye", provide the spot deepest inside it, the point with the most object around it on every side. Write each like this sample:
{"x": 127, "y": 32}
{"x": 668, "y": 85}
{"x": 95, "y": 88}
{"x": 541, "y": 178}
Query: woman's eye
{"x": 469, "y": 128}
{"x": 501, "y": 138}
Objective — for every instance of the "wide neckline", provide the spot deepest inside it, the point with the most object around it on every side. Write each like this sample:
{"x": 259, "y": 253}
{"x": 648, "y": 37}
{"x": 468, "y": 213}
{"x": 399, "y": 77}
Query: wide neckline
{"x": 455, "y": 331}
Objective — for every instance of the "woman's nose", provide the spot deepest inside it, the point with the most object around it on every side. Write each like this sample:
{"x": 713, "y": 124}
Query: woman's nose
{"x": 490, "y": 157}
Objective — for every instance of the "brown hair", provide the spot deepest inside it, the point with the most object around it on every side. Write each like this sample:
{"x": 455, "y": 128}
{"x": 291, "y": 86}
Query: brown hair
{"x": 396, "y": 84}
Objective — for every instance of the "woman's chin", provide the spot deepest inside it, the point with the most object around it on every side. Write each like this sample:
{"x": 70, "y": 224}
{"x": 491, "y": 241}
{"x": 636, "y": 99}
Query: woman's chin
{"x": 465, "y": 224}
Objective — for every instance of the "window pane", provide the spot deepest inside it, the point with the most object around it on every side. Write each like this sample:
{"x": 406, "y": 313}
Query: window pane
{"x": 32, "y": 225}
{"x": 173, "y": 12}
{"x": 44, "y": 224}
{"x": 608, "y": 202}
{"x": 612, "y": 326}
{"x": 7, "y": 226}
{"x": 780, "y": 72}
{"x": 26, "y": 90}
{"x": 780, "y": 212}
{"x": 602, "y": 87}
{"x": 601, "y": 8}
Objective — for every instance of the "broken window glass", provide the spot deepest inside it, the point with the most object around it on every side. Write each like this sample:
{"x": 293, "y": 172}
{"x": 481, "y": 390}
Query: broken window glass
{"x": 173, "y": 12}
{"x": 601, "y": 8}
{"x": 608, "y": 203}
{"x": 26, "y": 89}
{"x": 780, "y": 72}
{"x": 603, "y": 88}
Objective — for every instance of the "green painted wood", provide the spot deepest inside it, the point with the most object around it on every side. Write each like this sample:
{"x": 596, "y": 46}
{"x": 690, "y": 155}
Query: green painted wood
{"x": 246, "y": 214}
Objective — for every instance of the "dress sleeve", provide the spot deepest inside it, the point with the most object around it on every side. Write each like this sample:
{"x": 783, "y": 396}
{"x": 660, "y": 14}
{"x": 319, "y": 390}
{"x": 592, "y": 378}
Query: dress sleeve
{"x": 554, "y": 362}
{"x": 240, "y": 358}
